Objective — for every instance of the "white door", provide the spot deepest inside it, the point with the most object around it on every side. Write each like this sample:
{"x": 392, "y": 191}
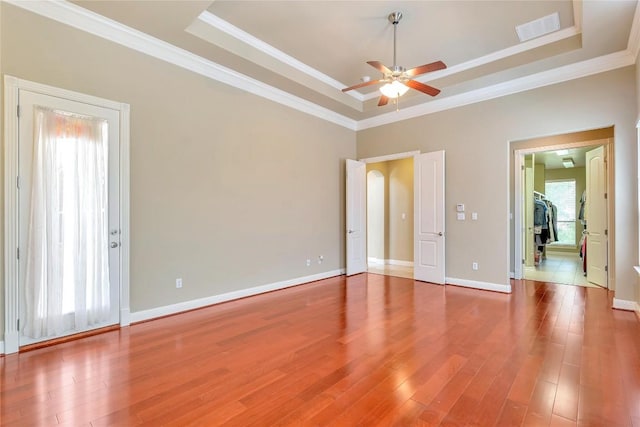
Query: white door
{"x": 429, "y": 239}
{"x": 356, "y": 217}
{"x": 69, "y": 231}
{"x": 528, "y": 212}
{"x": 596, "y": 216}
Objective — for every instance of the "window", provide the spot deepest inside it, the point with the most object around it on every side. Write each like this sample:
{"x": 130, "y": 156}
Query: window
{"x": 563, "y": 195}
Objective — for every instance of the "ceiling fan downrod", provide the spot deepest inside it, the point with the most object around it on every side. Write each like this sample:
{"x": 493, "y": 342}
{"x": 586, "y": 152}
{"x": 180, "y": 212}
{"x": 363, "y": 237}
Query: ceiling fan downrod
{"x": 394, "y": 18}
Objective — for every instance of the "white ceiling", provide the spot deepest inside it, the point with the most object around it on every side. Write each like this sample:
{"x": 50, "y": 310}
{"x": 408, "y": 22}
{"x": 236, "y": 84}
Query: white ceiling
{"x": 312, "y": 49}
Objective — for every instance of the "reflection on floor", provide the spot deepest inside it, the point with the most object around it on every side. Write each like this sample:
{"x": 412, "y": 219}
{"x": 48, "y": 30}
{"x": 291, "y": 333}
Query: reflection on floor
{"x": 391, "y": 270}
{"x": 559, "y": 268}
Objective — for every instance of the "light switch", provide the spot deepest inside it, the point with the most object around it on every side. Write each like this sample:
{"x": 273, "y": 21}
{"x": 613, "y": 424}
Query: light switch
{"x": 461, "y": 216}
{"x": 460, "y": 207}
{"x": 474, "y": 216}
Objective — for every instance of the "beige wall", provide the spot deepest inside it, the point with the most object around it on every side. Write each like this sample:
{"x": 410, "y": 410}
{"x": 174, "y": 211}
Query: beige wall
{"x": 228, "y": 190}
{"x": 579, "y": 175}
{"x": 478, "y": 158}
{"x": 398, "y": 242}
{"x": 538, "y": 177}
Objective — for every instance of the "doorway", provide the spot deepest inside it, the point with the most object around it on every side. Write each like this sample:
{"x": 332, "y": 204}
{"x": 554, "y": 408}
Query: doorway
{"x": 390, "y": 217}
{"x": 67, "y": 217}
{"x": 567, "y": 185}
{"x": 428, "y": 214}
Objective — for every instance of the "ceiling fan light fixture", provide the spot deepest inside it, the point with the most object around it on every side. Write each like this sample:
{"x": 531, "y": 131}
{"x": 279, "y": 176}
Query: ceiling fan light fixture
{"x": 394, "y": 89}
{"x": 568, "y": 162}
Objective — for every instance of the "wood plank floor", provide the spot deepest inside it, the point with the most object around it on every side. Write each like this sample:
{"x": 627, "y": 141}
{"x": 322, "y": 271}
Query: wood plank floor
{"x": 369, "y": 350}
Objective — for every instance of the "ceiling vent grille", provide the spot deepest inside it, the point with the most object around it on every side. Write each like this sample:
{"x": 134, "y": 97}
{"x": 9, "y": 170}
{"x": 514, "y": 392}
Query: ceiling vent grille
{"x": 539, "y": 27}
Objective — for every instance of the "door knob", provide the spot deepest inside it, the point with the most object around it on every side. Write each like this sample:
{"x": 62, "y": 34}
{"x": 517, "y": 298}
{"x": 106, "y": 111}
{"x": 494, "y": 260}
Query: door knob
{"x": 114, "y": 244}
{"x": 351, "y": 231}
{"x": 440, "y": 233}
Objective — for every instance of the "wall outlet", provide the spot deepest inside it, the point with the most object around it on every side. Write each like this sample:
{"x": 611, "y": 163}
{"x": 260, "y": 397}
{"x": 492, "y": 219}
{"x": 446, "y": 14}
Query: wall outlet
{"x": 178, "y": 283}
{"x": 308, "y": 262}
{"x": 474, "y": 266}
{"x": 320, "y": 259}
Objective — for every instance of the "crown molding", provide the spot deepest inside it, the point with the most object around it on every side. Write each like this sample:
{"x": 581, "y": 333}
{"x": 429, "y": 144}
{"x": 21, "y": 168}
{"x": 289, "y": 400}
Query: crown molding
{"x": 75, "y": 16}
{"x": 633, "y": 46}
{"x": 255, "y": 43}
{"x": 494, "y": 56}
{"x": 98, "y": 25}
{"x": 545, "y": 78}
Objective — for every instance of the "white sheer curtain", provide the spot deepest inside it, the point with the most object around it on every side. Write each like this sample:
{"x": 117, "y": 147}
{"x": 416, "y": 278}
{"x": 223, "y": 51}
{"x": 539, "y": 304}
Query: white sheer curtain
{"x": 67, "y": 272}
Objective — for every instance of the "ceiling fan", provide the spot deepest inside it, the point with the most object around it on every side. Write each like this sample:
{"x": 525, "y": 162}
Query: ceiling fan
{"x": 397, "y": 79}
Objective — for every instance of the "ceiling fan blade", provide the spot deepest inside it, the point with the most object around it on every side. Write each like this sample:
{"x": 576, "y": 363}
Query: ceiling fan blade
{"x": 383, "y": 101}
{"x": 429, "y": 90}
{"x": 363, "y": 84}
{"x": 379, "y": 66}
{"x": 426, "y": 68}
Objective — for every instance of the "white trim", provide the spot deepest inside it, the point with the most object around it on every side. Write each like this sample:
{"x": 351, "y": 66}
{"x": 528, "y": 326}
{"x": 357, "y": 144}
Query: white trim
{"x": 558, "y": 75}
{"x": 633, "y": 45}
{"x": 495, "y": 56}
{"x": 390, "y": 157}
{"x": 621, "y": 304}
{"x": 93, "y": 23}
{"x": 12, "y": 86}
{"x": 512, "y": 275}
{"x": 486, "y": 286}
{"x": 378, "y": 261}
{"x": 1, "y": 347}
{"x": 11, "y": 304}
{"x": 209, "y": 18}
{"x": 399, "y": 262}
{"x": 153, "y": 313}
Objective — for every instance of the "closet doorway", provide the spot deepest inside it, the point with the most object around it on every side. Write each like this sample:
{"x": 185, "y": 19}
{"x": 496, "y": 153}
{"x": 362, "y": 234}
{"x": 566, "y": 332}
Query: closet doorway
{"x": 564, "y": 213}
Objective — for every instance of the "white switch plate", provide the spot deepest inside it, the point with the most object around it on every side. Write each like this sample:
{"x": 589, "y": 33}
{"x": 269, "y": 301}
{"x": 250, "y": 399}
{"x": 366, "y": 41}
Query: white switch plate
{"x": 474, "y": 265}
{"x": 460, "y": 216}
{"x": 474, "y": 216}
{"x": 460, "y": 207}
{"x": 178, "y": 283}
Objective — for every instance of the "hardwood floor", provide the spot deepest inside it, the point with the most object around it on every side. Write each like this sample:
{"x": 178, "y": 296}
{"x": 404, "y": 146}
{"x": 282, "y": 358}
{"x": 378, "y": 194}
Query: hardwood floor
{"x": 362, "y": 351}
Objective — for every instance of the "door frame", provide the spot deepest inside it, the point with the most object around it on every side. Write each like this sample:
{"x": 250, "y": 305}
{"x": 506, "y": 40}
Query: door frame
{"x": 12, "y": 87}
{"x": 518, "y": 228}
{"x": 390, "y": 157}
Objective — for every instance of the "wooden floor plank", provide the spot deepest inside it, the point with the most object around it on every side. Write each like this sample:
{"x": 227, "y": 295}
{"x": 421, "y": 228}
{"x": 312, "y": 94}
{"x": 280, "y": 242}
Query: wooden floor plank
{"x": 365, "y": 350}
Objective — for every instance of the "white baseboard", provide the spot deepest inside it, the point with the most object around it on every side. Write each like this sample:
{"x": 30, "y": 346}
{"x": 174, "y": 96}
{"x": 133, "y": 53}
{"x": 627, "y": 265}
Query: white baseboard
{"x": 1, "y": 347}
{"x": 399, "y": 262}
{"x": 486, "y": 286}
{"x": 378, "y": 261}
{"x": 140, "y": 316}
{"x": 621, "y": 304}
{"x": 125, "y": 317}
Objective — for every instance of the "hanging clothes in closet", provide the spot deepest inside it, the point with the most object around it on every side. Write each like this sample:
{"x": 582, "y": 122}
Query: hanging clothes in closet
{"x": 545, "y": 226}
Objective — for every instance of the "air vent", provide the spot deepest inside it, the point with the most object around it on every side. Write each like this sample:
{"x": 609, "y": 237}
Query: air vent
{"x": 539, "y": 27}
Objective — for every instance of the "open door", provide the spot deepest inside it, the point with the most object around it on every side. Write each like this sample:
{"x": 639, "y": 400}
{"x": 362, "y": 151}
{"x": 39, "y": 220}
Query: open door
{"x": 528, "y": 210}
{"x": 429, "y": 241}
{"x": 596, "y": 216}
{"x": 356, "y": 217}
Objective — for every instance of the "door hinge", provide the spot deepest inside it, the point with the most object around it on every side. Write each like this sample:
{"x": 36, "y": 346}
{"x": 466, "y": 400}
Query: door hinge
{"x": 18, "y": 182}
{"x": 522, "y": 261}
{"x": 18, "y": 253}
{"x": 18, "y": 324}
{"x": 605, "y": 195}
{"x": 606, "y": 268}
{"x": 606, "y": 232}
{"x": 521, "y": 167}
{"x": 18, "y": 110}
